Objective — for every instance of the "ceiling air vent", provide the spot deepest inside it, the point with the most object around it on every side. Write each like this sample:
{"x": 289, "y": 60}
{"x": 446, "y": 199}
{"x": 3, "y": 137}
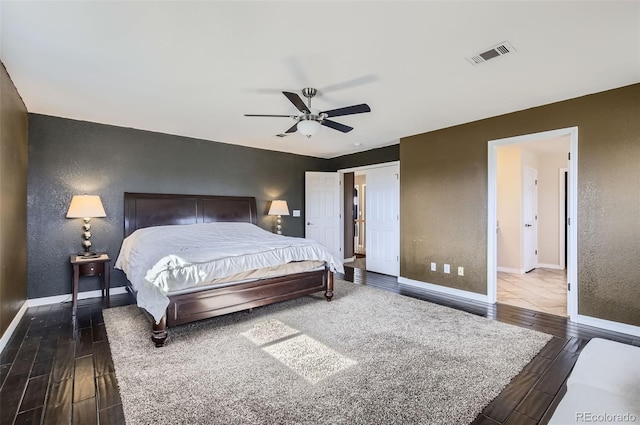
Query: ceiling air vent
{"x": 498, "y": 50}
{"x": 281, "y": 135}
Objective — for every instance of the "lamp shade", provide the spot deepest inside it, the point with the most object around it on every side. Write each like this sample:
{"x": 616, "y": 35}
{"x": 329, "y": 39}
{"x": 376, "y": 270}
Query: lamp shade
{"x": 308, "y": 127}
{"x": 85, "y": 206}
{"x": 279, "y": 208}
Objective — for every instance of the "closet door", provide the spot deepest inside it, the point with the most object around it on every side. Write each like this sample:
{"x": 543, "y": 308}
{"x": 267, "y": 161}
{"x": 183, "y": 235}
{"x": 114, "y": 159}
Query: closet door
{"x": 383, "y": 220}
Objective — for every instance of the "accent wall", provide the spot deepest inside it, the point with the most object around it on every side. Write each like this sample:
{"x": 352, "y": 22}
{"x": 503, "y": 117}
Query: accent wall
{"x": 69, "y": 157}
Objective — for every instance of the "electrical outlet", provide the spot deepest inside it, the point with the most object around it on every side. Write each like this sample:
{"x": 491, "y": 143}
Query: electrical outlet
{"x": 447, "y": 268}
{"x": 433, "y": 267}
{"x": 460, "y": 271}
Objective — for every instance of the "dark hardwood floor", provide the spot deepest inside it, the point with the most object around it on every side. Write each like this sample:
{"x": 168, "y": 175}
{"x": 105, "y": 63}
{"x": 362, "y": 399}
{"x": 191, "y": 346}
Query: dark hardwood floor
{"x": 55, "y": 371}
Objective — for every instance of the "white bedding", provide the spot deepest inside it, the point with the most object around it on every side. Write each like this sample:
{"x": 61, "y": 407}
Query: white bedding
{"x": 159, "y": 260}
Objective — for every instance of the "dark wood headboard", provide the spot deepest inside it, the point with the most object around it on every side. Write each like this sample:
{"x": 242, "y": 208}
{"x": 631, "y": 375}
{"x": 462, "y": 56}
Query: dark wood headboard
{"x": 154, "y": 209}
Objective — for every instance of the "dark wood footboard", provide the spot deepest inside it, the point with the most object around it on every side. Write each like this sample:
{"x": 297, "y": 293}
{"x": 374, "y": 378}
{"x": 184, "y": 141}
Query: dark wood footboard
{"x": 215, "y": 302}
{"x": 187, "y": 308}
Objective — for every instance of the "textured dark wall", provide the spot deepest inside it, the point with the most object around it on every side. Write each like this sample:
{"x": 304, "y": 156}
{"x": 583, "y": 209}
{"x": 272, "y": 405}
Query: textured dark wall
{"x": 370, "y": 157}
{"x": 443, "y": 198}
{"x": 13, "y": 199}
{"x": 68, "y": 157}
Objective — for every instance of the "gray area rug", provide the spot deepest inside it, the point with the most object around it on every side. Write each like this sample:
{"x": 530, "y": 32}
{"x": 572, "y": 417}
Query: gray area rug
{"x": 367, "y": 357}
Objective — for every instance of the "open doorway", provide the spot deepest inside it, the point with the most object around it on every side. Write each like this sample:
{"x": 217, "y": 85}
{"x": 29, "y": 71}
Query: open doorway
{"x": 531, "y": 225}
{"x": 360, "y": 220}
{"x": 527, "y": 235}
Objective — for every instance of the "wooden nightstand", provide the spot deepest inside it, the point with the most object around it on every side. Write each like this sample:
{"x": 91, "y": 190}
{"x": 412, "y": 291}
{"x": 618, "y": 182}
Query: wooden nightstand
{"x": 98, "y": 266}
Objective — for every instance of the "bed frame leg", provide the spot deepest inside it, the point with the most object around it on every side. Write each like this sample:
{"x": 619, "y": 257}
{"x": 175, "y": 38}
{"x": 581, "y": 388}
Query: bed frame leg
{"x": 159, "y": 333}
{"x": 329, "y": 292}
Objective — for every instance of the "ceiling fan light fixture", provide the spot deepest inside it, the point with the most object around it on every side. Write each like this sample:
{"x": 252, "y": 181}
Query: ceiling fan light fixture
{"x": 308, "y": 127}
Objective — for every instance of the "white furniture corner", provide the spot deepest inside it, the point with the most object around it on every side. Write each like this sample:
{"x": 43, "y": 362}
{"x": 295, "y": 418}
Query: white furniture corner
{"x": 604, "y": 386}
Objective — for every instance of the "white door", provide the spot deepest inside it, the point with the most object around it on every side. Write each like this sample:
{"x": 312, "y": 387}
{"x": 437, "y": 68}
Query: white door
{"x": 383, "y": 220}
{"x": 530, "y": 218}
{"x": 322, "y": 210}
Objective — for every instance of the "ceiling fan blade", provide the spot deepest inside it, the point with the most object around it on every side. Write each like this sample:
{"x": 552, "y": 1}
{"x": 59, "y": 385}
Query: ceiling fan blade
{"x": 254, "y": 115}
{"x": 354, "y": 82}
{"x": 292, "y": 129}
{"x": 349, "y": 110}
{"x": 337, "y": 126}
{"x": 297, "y": 102}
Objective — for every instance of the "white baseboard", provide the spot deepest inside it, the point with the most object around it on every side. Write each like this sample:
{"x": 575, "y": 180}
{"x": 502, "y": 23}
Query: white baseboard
{"x": 581, "y": 319}
{"x": 349, "y": 260}
{"x": 509, "y": 270}
{"x": 444, "y": 290}
{"x": 6, "y": 336}
{"x": 56, "y": 299}
{"x": 550, "y": 266}
{"x": 609, "y": 325}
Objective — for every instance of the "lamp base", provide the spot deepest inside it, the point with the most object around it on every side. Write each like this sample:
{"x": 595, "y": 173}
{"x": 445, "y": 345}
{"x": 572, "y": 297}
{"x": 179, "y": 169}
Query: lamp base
{"x": 88, "y": 254}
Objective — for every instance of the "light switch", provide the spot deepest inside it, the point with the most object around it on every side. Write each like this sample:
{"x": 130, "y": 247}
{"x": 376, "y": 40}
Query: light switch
{"x": 447, "y": 268}
{"x": 296, "y": 213}
{"x": 433, "y": 267}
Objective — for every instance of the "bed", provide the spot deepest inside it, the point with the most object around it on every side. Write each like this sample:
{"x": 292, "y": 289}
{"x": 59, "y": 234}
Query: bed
{"x": 152, "y": 213}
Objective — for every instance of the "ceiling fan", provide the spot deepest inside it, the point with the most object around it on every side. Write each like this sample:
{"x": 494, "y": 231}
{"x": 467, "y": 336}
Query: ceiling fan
{"x": 310, "y": 120}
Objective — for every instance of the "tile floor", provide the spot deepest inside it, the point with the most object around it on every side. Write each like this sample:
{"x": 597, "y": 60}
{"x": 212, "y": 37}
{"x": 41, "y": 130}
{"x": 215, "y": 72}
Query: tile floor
{"x": 540, "y": 289}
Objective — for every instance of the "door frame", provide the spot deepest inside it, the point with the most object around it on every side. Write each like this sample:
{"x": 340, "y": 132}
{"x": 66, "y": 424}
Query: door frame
{"x": 525, "y": 256}
{"x": 362, "y": 207}
{"x": 354, "y": 170}
{"x": 572, "y": 209}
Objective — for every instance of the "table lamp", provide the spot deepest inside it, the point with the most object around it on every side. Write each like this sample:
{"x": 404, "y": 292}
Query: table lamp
{"x": 279, "y": 208}
{"x": 86, "y": 206}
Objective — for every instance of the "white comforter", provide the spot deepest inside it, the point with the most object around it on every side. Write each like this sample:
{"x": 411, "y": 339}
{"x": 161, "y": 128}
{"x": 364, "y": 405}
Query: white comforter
{"x": 158, "y": 260}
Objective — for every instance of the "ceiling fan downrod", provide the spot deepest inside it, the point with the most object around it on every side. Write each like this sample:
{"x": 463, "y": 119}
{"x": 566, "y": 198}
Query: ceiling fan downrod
{"x": 309, "y": 92}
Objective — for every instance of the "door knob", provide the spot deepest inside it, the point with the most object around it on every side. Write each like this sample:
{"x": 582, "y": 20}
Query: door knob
{"x": 309, "y": 223}
{"x": 527, "y": 225}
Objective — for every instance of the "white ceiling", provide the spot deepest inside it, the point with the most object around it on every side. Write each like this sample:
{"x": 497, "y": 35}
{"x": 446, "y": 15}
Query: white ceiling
{"x": 194, "y": 68}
